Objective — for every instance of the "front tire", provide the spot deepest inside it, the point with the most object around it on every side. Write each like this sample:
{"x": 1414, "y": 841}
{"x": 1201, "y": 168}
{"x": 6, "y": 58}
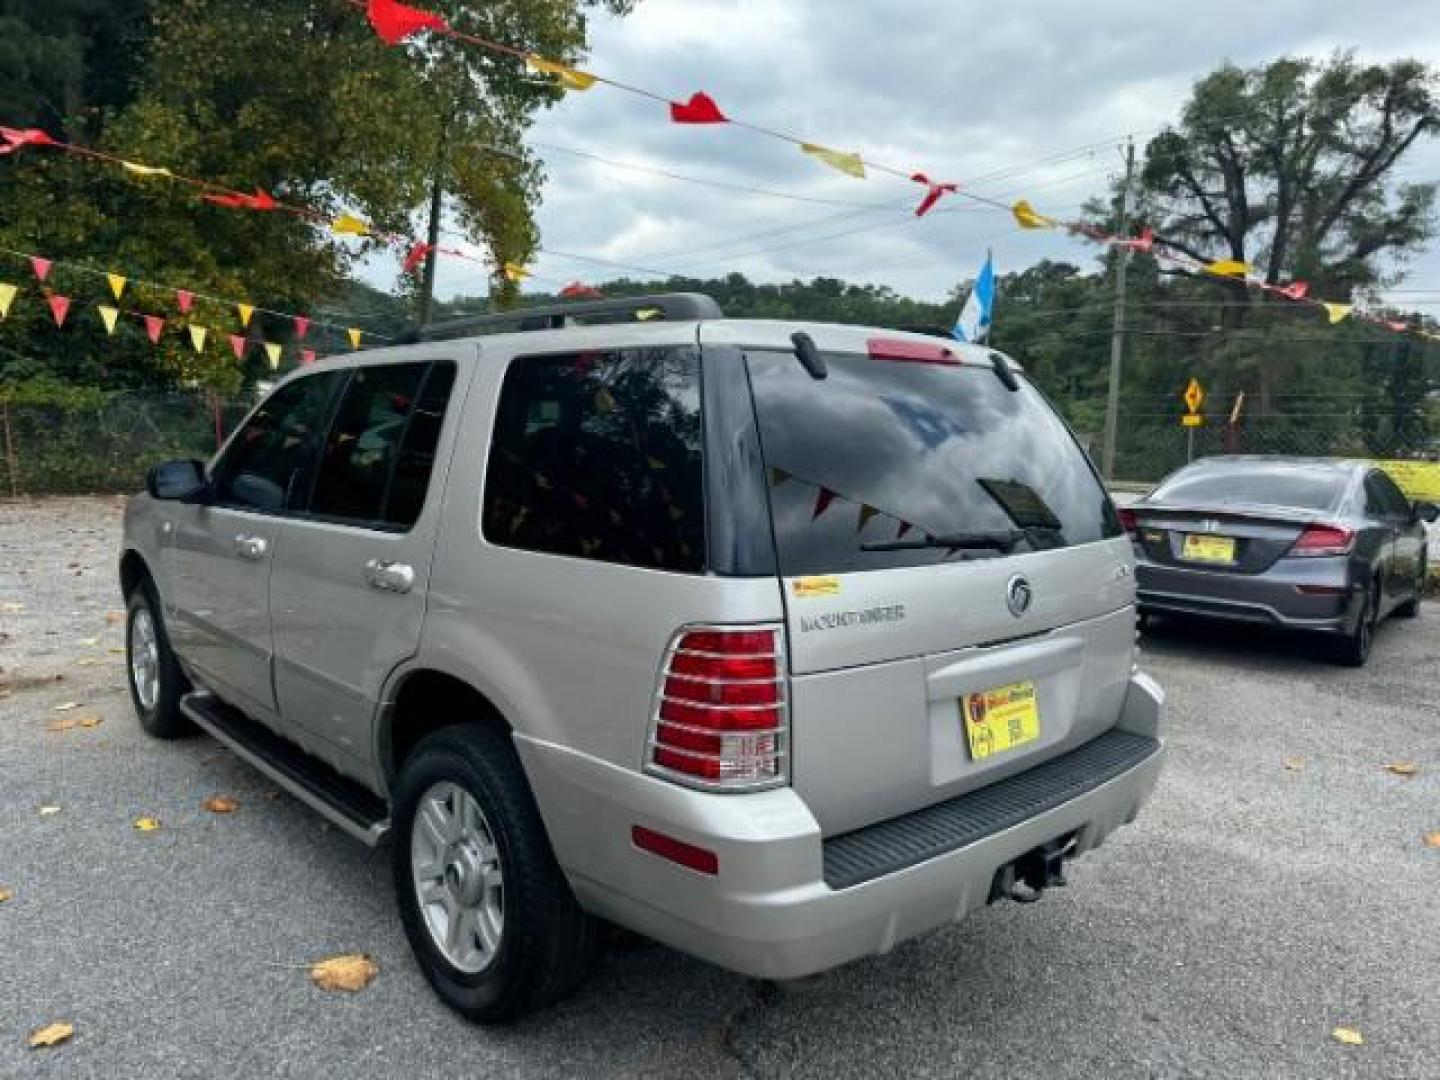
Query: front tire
{"x": 153, "y": 673}
{"x": 488, "y": 912}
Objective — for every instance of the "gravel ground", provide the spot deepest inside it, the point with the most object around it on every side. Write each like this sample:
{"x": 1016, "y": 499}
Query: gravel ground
{"x": 1254, "y": 907}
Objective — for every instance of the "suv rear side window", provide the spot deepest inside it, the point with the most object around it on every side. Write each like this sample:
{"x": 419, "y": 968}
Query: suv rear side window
{"x": 883, "y": 453}
{"x": 270, "y": 462}
{"x": 377, "y": 459}
{"x": 597, "y": 455}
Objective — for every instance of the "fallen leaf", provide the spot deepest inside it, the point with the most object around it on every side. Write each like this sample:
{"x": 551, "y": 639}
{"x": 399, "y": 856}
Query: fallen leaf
{"x": 351, "y": 972}
{"x": 88, "y": 661}
{"x": 1348, "y": 1036}
{"x": 220, "y": 804}
{"x": 113, "y": 618}
{"x": 91, "y": 721}
{"x": 88, "y": 642}
{"x": 1294, "y": 764}
{"x": 48, "y": 811}
{"x": 12, "y": 608}
{"x": 5, "y": 894}
{"x": 116, "y": 652}
{"x": 1402, "y": 768}
{"x": 147, "y": 824}
{"x": 65, "y": 723}
{"x": 1432, "y": 839}
{"x": 66, "y": 706}
{"x": 51, "y": 1035}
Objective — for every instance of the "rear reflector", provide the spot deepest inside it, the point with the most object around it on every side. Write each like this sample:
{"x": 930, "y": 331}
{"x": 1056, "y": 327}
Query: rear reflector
{"x": 721, "y": 718}
{"x": 1322, "y": 590}
{"x": 911, "y": 352}
{"x": 677, "y": 851}
{"x": 1319, "y": 540}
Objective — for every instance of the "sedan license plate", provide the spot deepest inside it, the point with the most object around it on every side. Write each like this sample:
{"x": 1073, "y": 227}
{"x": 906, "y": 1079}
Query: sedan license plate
{"x": 1211, "y": 549}
{"x": 1000, "y": 719}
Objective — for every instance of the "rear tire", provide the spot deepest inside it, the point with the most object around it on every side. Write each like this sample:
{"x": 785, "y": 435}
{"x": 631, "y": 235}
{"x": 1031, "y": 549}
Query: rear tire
{"x": 152, "y": 672}
{"x": 1354, "y": 649}
{"x": 469, "y": 839}
{"x": 1411, "y": 607}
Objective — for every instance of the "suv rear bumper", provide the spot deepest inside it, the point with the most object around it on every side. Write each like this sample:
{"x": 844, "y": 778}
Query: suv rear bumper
{"x": 770, "y": 912}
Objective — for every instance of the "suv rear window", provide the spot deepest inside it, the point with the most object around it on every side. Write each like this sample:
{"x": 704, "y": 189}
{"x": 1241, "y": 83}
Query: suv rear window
{"x": 883, "y": 452}
{"x": 1303, "y": 487}
{"x": 597, "y": 455}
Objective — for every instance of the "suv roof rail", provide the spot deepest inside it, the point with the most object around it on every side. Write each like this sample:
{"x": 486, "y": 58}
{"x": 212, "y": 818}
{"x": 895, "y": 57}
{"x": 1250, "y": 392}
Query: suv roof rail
{"x": 668, "y": 307}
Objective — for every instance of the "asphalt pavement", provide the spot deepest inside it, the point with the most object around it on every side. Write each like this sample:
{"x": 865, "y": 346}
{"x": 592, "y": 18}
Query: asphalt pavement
{"x": 1276, "y": 888}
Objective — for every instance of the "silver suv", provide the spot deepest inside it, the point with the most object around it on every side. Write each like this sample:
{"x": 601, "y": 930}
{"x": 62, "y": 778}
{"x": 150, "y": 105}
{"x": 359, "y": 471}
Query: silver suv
{"x": 780, "y": 643}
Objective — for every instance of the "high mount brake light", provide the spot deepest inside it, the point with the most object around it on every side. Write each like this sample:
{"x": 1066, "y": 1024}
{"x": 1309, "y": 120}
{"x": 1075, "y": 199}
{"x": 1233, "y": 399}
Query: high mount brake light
{"x": 721, "y": 719}
{"x": 1318, "y": 540}
{"x": 912, "y": 352}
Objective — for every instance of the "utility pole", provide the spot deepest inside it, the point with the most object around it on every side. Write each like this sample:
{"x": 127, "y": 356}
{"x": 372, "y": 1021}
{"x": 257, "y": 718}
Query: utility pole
{"x": 1117, "y": 334}
{"x": 437, "y": 208}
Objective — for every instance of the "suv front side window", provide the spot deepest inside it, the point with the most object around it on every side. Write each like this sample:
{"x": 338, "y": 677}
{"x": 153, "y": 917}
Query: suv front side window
{"x": 270, "y": 462}
{"x": 596, "y": 455}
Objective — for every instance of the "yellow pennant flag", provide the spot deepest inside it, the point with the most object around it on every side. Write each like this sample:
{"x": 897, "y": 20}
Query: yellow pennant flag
{"x": 515, "y": 272}
{"x": 117, "y": 284}
{"x": 1027, "y": 217}
{"x": 109, "y": 315}
{"x": 197, "y": 337}
{"x": 7, "y": 297}
{"x": 1337, "y": 312}
{"x": 349, "y": 225}
{"x": 272, "y": 351}
{"x": 135, "y": 168}
{"x": 570, "y": 78}
{"x": 1228, "y": 268}
{"x": 246, "y": 311}
{"x": 354, "y": 334}
{"x": 849, "y": 164}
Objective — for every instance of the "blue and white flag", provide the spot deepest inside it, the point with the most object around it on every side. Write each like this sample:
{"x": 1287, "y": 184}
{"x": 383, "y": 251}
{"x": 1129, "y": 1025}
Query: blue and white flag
{"x": 973, "y": 325}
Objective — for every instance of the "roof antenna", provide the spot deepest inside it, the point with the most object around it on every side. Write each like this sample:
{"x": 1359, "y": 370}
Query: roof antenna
{"x": 808, "y": 355}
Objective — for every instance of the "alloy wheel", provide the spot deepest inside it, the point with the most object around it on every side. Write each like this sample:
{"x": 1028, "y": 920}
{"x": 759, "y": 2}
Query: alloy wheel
{"x": 144, "y": 647}
{"x": 459, "y": 882}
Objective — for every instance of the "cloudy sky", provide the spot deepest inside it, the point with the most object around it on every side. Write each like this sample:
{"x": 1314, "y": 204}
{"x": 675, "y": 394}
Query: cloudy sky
{"x": 1032, "y": 98}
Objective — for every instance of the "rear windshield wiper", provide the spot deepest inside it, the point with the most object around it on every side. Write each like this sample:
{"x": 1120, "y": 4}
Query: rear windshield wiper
{"x": 1003, "y": 542}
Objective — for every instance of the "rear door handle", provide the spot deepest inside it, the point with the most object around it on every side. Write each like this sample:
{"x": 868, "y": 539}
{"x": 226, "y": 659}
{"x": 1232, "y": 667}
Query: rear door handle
{"x": 250, "y": 547}
{"x": 389, "y": 576}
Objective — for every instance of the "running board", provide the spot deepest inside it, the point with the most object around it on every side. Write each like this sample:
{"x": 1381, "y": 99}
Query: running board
{"x": 340, "y": 800}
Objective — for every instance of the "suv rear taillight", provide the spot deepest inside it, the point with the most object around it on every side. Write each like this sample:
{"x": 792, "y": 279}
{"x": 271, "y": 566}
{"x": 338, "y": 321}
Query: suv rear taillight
{"x": 1323, "y": 540}
{"x": 721, "y": 717}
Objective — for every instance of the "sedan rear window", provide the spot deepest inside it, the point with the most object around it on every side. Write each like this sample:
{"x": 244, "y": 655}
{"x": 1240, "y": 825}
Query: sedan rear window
{"x": 1302, "y": 487}
{"x": 888, "y": 464}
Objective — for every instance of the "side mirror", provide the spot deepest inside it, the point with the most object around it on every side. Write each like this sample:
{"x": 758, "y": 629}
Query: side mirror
{"x": 173, "y": 480}
{"x": 1426, "y": 511}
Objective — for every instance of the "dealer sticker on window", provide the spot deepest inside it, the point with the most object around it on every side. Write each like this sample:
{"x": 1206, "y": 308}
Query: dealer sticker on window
{"x": 1000, "y": 719}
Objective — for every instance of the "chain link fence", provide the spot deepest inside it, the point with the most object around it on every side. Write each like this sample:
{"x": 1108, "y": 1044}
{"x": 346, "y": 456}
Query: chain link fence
{"x": 65, "y": 450}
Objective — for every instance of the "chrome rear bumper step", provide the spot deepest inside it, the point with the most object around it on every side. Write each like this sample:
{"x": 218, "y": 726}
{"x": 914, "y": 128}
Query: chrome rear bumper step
{"x": 338, "y": 799}
{"x": 902, "y": 842}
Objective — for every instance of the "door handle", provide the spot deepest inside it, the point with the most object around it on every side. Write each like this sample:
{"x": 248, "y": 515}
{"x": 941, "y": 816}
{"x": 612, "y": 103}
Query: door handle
{"x": 250, "y": 547}
{"x": 389, "y": 576}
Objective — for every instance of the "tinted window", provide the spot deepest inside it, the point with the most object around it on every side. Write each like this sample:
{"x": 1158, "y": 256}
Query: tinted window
{"x": 1390, "y": 500}
{"x": 597, "y": 455}
{"x": 417, "y": 452}
{"x": 1304, "y": 487}
{"x": 364, "y": 442}
{"x": 881, "y": 453}
{"x": 270, "y": 463}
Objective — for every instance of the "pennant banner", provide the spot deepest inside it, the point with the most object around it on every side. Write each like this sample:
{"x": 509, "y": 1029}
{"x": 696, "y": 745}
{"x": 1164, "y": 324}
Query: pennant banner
{"x": 307, "y": 356}
{"x": 7, "y": 297}
{"x": 417, "y": 255}
{"x": 154, "y": 325}
{"x": 237, "y": 346}
{"x": 1228, "y": 268}
{"x": 302, "y": 327}
{"x": 272, "y": 353}
{"x": 245, "y": 312}
{"x": 117, "y": 284}
{"x": 40, "y": 266}
{"x": 15, "y": 138}
{"x": 259, "y": 201}
{"x": 1336, "y": 312}
{"x": 136, "y": 169}
{"x": 354, "y": 334}
{"x": 349, "y": 225}
{"x": 197, "y": 337}
{"x": 1027, "y": 218}
{"x": 395, "y": 22}
{"x": 700, "y": 109}
{"x": 933, "y": 193}
{"x": 849, "y": 164}
{"x": 570, "y": 78}
{"x": 59, "y": 308}
{"x": 515, "y": 272}
{"x": 184, "y": 300}
{"x": 822, "y": 502}
{"x": 109, "y": 316}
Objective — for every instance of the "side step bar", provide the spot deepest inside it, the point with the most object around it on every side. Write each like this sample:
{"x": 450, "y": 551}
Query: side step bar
{"x": 340, "y": 800}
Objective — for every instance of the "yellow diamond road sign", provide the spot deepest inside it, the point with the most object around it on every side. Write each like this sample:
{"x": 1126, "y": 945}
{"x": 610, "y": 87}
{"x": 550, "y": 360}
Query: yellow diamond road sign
{"x": 1194, "y": 396}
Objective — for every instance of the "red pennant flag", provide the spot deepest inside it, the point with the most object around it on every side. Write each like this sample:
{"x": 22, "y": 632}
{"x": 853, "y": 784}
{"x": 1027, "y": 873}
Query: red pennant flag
{"x": 1144, "y": 242}
{"x": 261, "y": 200}
{"x": 307, "y": 356}
{"x": 302, "y": 327}
{"x": 822, "y": 502}
{"x": 577, "y": 290}
{"x": 15, "y": 138}
{"x": 237, "y": 345}
{"x": 905, "y": 527}
{"x": 1296, "y": 290}
{"x": 394, "y": 22}
{"x": 933, "y": 193}
{"x": 59, "y": 307}
{"x": 184, "y": 299}
{"x": 700, "y": 109}
{"x": 40, "y": 266}
{"x": 154, "y": 324}
{"x": 418, "y": 254}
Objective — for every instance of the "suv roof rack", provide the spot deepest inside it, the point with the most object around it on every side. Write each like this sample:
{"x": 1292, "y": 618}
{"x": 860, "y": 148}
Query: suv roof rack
{"x": 668, "y": 307}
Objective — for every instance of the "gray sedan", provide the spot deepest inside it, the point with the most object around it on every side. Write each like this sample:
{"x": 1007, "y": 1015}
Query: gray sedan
{"x": 1330, "y": 546}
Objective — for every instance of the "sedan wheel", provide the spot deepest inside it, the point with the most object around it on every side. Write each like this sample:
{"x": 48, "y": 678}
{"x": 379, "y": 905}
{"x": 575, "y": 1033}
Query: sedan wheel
{"x": 1355, "y": 649}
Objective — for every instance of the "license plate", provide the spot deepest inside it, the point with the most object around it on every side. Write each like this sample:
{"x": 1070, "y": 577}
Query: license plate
{"x": 1000, "y": 719}
{"x": 1213, "y": 549}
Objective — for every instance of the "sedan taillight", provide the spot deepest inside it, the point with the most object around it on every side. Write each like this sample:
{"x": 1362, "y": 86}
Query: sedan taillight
{"x": 1319, "y": 540}
{"x": 721, "y": 718}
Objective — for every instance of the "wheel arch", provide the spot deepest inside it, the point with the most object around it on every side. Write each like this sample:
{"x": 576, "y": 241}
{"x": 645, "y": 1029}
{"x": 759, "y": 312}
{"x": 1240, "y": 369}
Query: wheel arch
{"x": 134, "y": 572}
{"x": 425, "y": 700}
